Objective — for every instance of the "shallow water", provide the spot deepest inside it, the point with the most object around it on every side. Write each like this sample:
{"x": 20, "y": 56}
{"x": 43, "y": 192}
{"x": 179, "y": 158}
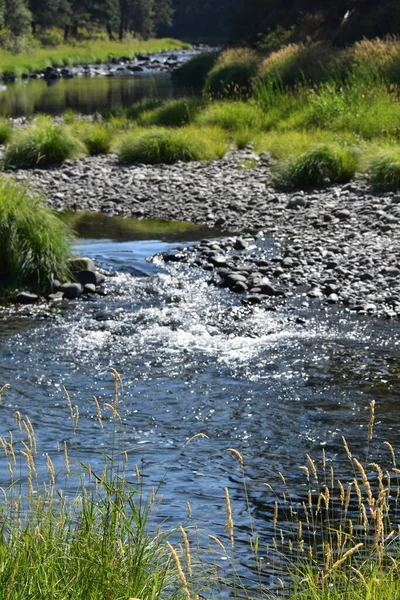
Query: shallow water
{"x": 193, "y": 359}
{"x": 85, "y": 95}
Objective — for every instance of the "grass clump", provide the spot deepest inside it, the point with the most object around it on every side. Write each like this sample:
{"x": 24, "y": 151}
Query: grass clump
{"x": 41, "y": 144}
{"x": 384, "y": 170}
{"x": 232, "y": 116}
{"x": 194, "y": 72}
{"x": 232, "y": 74}
{"x": 6, "y": 131}
{"x": 321, "y": 164}
{"x": 96, "y": 137}
{"x": 160, "y": 145}
{"x": 173, "y": 113}
{"x": 34, "y": 243}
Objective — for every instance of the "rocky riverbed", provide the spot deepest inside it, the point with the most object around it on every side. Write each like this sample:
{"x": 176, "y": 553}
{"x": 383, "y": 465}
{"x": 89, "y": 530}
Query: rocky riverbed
{"x": 339, "y": 244}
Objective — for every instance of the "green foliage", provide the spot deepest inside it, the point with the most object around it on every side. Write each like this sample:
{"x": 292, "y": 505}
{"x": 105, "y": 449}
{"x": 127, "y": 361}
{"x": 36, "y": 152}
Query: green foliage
{"x": 96, "y": 137}
{"x": 158, "y": 145}
{"x": 42, "y": 144}
{"x": 34, "y": 243}
{"x": 384, "y": 170}
{"x": 317, "y": 166}
{"x": 194, "y": 72}
{"x": 232, "y": 116}
{"x": 173, "y": 113}
{"x": 134, "y": 111}
{"x": 232, "y": 74}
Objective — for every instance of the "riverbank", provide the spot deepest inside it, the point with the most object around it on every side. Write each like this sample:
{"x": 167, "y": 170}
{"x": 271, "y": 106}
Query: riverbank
{"x": 93, "y": 53}
{"x": 339, "y": 243}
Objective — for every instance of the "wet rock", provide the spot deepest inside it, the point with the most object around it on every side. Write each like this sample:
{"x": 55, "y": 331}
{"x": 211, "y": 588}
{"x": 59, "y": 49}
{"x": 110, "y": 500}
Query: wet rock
{"x": 89, "y": 288}
{"x": 93, "y": 277}
{"x": 240, "y": 244}
{"x": 71, "y": 291}
{"x": 55, "y": 296}
{"x": 26, "y": 298}
{"x": 81, "y": 263}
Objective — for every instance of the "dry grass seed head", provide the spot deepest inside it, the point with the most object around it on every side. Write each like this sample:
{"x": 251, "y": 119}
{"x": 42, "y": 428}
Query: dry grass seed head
{"x": 391, "y": 449}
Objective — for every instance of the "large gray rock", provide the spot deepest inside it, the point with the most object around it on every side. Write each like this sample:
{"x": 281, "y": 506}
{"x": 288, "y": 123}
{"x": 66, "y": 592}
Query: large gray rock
{"x": 87, "y": 276}
{"x": 81, "y": 263}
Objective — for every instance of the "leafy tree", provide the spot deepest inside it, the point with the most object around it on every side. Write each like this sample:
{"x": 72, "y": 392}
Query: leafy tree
{"x": 17, "y": 16}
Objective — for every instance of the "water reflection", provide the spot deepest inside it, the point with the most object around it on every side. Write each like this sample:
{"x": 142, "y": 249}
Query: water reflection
{"x": 84, "y": 94}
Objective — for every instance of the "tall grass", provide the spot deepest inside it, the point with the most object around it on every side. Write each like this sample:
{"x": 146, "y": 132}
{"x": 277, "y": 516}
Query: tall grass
{"x": 232, "y": 116}
{"x": 96, "y": 137}
{"x": 160, "y": 145}
{"x": 95, "y": 540}
{"x": 384, "y": 169}
{"x": 34, "y": 243}
{"x": 41, "y": 144}
{"x": 99, "y": 51}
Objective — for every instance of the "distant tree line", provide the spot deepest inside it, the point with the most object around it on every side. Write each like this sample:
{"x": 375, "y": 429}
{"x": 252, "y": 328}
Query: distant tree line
{"x": 117, "y": 17}
{"x": 268, "y": 22}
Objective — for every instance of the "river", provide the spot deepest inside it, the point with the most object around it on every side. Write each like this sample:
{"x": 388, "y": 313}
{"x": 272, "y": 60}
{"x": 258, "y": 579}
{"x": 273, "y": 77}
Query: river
{"x": 273, "y": 385}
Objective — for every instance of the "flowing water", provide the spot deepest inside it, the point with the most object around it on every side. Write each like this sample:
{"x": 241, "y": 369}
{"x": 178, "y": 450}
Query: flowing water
{"x": 273, "y": 385}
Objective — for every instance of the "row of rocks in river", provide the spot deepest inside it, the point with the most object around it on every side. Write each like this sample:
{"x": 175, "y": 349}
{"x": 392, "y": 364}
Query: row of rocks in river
{"x": 163, "y": 62}
{"x": 88, "y": 281}
{"x": 340, "y": 243}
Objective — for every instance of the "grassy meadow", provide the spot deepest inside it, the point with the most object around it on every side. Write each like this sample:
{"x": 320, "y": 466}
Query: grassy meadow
{"x": 74, "y": 531}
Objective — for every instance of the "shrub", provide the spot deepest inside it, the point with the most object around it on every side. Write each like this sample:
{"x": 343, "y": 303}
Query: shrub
{"x": 194, "y": 72}
{"x": 319, "y": 165}
{"x": 384, "y": 170}
{"x": 160, "y": 145}
{"x": 232, "y": 74}
{"x": 34, "y": 243}
{"x": 231, "y": 116}
{"x": 174, "y": 113}
{"x": 41, "y": 144}
{"x": 97, "y": 138}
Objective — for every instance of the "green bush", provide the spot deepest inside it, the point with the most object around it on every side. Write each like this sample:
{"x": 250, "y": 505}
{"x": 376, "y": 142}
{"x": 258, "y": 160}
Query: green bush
{"x": 168, "y": 146}
{"x": 174, "y": 113}
{"x": 42, "y": 144}
{"x": 194, "y": 72}
{"x": 97, "y": 138}
{"x": 321, "y": 164}
{"x": 384, "y": 170}
{"x": 34, "y": 243}
{"x": 232, "y": 74}
{"x": 232, "y": 116}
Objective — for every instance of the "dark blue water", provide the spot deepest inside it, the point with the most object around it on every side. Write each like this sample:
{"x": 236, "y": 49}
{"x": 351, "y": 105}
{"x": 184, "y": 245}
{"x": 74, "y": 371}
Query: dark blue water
{"x": 194, "y": 360}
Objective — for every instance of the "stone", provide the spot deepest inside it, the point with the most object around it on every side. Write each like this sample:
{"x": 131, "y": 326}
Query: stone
{"x": 93, "y": 277}
{"x": 26, "y": 298}
{"x": 89, "y": 288}
{"x": 81, "y": 263}
{"x": 71, "y": 291}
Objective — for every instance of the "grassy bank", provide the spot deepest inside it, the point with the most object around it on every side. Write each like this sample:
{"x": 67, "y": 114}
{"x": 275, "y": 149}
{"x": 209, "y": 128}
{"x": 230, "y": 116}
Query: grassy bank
{"x": 91, "y": 52}
{"x": 325, "y": 116}
{"x": 72, "y": 530}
